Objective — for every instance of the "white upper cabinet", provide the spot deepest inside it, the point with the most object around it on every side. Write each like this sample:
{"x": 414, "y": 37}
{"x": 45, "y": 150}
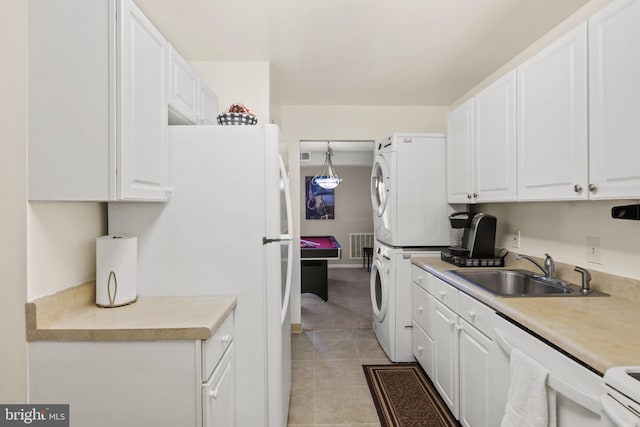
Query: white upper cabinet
{"x": 183, "y": 90}
{"x": 97, "y": 102}
{"x": 481, "y": 146}
{"x": 191, "y": 101}
{"x": 552, "y": 121}
{"x": 460, "y": 154}
{"x": 614, "y": 93}
{"x": 495, "y": 141}
{"x": 208, "y": 105}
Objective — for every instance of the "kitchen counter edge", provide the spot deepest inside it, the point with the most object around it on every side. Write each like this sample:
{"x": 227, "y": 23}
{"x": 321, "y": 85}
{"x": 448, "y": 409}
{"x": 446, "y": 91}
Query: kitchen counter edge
{"x": 72, "y": 315}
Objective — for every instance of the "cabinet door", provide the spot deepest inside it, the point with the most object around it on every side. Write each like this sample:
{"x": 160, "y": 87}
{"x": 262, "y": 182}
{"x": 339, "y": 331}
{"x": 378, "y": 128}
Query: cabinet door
{"x": 475, "y": 377}
{"x": 495, "y": 141}
{"x": 183, "y": 90}
{"x": 218, "y": 393}
{"x": 446, "y": 355}
{"x": 208, "y": 105}
{"x": 142, "y": 144}
{"x": 552, "y": 121}
{"x": 460, "y": 154}
{"x": 614, "y": 90}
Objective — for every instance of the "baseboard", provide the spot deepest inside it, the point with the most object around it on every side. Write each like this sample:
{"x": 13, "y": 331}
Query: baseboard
{"x": 296, "y": 328}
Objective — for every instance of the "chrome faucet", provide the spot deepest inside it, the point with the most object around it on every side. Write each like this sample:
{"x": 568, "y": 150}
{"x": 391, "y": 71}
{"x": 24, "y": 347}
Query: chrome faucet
{"x": 549, "y": 265}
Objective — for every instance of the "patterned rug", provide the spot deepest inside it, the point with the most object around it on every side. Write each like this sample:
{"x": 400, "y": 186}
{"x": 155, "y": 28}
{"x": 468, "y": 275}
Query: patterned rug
{"x": 404, "y": 396}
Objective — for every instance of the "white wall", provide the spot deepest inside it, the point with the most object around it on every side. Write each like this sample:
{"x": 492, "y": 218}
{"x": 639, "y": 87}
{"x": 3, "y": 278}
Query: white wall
{"x": 343, "y": 123}
{"x": 13, "y": 194}
{"x": 245, "y": 82}
{"x": 61, "y": 247}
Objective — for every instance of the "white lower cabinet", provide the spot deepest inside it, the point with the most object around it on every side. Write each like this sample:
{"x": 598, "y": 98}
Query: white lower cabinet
{"x": 218, "y": 396}
{"x": 475, "y": 373}
{"x": 446, "y": 361}
{"x": 453, "y": 342}
{"x": 138, "y": 383}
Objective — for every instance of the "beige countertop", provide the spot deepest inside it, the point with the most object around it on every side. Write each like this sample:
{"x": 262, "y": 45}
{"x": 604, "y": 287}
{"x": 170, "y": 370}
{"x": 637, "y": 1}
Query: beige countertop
{"x": 602, "y": 332}
{"x": 71, "y": 315}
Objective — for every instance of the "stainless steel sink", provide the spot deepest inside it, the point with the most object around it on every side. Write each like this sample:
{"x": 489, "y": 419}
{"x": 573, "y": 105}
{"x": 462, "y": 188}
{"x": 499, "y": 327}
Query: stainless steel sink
{"x": 517, "y": 283}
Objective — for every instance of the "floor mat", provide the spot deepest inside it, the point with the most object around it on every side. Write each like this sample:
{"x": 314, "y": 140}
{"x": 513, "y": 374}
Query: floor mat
{"x": 404, "y": 396}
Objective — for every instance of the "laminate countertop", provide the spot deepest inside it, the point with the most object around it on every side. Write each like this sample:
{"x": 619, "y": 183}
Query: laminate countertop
{"x": 601, "y": 332}
{"x": 71, "y": 315}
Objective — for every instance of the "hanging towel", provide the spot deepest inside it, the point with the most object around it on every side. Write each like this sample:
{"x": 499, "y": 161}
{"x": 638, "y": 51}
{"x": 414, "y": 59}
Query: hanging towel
{"x": 530, "y": 402}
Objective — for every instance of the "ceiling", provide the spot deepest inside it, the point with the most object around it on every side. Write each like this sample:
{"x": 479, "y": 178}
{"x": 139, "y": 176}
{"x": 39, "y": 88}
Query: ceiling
{"x": 361, "y": 52}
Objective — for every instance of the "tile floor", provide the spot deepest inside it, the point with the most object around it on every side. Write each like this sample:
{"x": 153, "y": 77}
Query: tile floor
{"x": 328, "y": 383}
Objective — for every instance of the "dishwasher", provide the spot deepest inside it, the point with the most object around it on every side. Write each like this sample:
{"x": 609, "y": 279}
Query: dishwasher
{"x": 620, "y": 398}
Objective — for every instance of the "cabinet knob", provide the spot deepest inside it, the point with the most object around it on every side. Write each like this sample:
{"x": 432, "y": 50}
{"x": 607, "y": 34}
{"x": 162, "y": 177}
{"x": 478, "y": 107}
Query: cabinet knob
{"x": 577, "y": 188}
{"x": 420, "y": 348}
{"x": 593, "y": 188}
{"x": 472, "y": 314}
{"x": 443, "y": 294}
{"x": 420, "y": 309}
{"x": 475, "y": 195}
{"x": 214, "y": 393}
{"x": 225, "y": 339}
{"x": 420, "y": 279}
{"x": 468, "y": 196}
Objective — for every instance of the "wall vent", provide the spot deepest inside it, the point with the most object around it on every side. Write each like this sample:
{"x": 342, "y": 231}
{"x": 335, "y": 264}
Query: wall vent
{"x": 305, "y": 156}
{"x": 357, "y": 241}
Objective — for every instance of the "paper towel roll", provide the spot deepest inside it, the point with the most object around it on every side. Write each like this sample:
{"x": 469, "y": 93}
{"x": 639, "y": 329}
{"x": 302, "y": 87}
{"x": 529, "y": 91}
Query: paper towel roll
{"x": 116, "y": 270}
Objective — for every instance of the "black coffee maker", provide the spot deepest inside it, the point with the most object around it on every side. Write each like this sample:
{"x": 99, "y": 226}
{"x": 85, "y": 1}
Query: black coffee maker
{"x": 478, "y": 240}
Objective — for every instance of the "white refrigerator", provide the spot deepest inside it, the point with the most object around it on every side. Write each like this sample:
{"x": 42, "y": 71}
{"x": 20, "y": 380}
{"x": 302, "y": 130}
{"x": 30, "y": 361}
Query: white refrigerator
{"x": 226, "y": 231}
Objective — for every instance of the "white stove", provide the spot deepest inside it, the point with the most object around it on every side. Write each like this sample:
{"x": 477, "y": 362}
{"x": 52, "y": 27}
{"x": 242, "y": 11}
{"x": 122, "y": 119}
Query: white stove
{"x": 621, "y": 397}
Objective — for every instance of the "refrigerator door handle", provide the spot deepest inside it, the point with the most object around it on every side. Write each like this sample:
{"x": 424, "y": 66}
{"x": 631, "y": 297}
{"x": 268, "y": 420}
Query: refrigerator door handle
{"x": 266, "y": 241}
{"x": 287, "y": 197}
{"x": 287, "y": 290}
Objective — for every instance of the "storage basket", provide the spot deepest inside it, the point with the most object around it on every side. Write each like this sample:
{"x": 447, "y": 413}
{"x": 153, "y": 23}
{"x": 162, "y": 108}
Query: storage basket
{"x": 237, "y": 119}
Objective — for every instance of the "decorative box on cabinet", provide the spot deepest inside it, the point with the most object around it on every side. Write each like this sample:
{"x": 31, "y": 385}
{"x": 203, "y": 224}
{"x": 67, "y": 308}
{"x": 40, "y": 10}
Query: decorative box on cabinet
{"x": 141, "y": 383}
{"x": 552, "y": 121}
{"x": 97, "y": 102}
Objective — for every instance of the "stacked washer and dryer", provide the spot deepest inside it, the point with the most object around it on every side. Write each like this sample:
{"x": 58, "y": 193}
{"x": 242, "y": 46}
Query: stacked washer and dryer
{"x": 410, "y": 219}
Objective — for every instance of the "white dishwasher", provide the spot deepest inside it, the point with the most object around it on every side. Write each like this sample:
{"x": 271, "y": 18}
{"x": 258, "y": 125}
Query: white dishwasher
{"x": 620, "y": 399}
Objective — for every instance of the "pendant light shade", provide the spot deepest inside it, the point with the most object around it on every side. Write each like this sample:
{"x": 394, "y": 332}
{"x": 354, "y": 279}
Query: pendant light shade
{"x": 327, "y": 177}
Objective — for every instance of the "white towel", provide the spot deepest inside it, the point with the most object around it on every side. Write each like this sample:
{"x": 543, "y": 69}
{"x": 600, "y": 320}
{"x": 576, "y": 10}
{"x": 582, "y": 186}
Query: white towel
{"x": 530, "y": 402}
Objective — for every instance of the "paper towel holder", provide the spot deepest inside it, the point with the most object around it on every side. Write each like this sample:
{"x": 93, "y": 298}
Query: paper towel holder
{"x": 116, "y": 271}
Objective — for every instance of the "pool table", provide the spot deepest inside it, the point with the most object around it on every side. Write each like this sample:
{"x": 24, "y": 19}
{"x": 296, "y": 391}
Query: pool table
{"x": 315, "y": 251}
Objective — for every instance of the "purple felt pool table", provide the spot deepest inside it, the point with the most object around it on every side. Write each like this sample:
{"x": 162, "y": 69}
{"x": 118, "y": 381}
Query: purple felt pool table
{"x": 315, "y": 251}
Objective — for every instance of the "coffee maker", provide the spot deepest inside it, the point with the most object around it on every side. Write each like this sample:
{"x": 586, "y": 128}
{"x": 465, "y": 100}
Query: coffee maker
{"x": 477, "y": 248}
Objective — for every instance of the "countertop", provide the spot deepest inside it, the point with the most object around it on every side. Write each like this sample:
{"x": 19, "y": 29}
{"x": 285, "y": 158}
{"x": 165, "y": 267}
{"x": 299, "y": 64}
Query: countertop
{"x": 71, "y": 315}
{"x": 601, "y": 332}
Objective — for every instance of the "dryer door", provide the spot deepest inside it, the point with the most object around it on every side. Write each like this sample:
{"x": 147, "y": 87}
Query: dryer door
{"x": 379, "y": 289}
{"x": 379, "y": 185}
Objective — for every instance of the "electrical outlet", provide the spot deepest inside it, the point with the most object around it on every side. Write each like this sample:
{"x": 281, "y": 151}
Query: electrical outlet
{"x": 515, "y": 239}
{"x": 593, "y": 250}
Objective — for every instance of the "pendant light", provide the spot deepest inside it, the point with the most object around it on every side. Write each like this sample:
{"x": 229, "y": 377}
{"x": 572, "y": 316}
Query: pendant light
{"x": 327, "y": 177}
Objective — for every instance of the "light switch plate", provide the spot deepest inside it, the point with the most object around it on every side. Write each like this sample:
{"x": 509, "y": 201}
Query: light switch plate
{"x": 593, "y": 250}
{"x": 515, "y": 239}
